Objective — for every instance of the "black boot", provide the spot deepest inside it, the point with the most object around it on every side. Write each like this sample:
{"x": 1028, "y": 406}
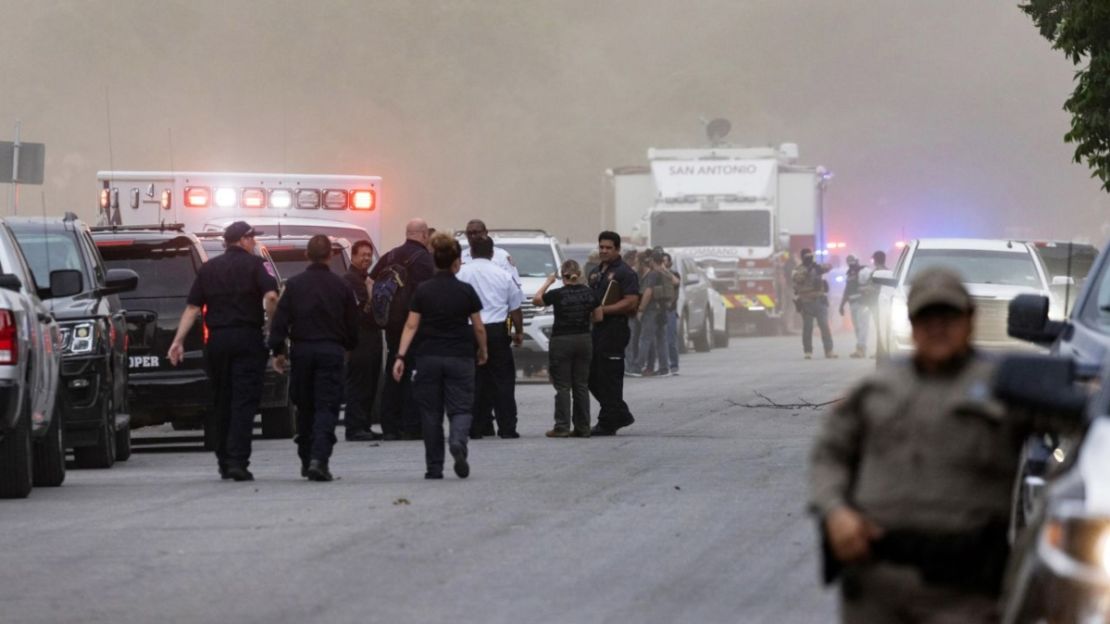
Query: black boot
{"x": 318, "y": 471}
{"x": 238, "y": 473}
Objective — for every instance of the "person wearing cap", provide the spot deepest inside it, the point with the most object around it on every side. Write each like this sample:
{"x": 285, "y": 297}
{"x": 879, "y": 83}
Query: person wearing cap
{"x": 812, "y": 301}
{"x": 319, "y": 314}
{"x": 237, "y": 294}
{"x": 853, "y": 298}
{"x": 911, "y": 475}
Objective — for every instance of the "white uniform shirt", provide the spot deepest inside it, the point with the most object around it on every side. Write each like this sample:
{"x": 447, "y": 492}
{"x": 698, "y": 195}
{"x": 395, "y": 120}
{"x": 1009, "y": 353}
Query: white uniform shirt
{"x": 501, "y": 259}
{"x": 495, "y": 288}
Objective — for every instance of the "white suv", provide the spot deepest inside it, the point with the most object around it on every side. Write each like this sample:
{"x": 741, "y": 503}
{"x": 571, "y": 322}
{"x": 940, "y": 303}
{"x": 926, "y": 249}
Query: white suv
{"x": 994, "y": 272}
{"x": 536, "y": 255}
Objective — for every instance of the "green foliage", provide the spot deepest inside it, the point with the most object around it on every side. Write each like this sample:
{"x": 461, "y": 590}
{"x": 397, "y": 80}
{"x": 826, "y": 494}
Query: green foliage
{"x": 1081, "y": 30}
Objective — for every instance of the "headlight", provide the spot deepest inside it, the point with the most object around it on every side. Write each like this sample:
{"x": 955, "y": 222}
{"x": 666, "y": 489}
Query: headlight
{"x": 900, "y": 317}
{"x": 1078, "y": 540}
{"x": 82, "y": 338}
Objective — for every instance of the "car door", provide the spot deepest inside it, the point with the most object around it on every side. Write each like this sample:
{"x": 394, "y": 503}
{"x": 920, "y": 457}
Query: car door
{"x": 43, "y": 336}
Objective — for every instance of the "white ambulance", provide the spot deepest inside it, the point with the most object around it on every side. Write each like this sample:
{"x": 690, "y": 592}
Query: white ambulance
{"x": 343, "y": 206}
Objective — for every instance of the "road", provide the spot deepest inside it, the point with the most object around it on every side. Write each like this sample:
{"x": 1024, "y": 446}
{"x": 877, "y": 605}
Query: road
{"x": 694, "y": 514}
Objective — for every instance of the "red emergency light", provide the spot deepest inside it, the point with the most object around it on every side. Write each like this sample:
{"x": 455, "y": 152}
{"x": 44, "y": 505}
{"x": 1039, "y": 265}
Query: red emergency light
{"x": 364, "y": 200}
{"x": 197, "y": 196}
{"x": 254, "y": 198}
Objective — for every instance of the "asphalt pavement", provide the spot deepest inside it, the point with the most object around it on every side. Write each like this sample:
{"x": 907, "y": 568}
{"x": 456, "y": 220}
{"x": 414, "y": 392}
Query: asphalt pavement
{"x": 693, "y": 514}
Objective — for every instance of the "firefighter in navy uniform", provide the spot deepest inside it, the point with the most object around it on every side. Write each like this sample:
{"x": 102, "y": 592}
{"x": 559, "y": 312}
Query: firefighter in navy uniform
{"x": 319, "y": 313}
{"x": 239, "y": 294}
{"x": 365, "y": 364}
{"x": 611, "y": 334}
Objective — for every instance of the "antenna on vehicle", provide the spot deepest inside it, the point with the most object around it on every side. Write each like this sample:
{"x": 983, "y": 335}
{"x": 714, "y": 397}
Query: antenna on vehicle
{"x": 169, "y": 135}
{"x": 1067, "y": 285}
{"x": 45, "y": 243}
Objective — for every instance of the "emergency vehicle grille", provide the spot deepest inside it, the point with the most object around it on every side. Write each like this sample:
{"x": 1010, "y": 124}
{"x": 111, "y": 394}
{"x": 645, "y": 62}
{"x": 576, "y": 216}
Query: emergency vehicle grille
{"x": 990, "y": 320}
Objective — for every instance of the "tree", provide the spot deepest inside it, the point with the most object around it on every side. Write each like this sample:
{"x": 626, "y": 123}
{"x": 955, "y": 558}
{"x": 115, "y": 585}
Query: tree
{"x": 1081, "y": 30}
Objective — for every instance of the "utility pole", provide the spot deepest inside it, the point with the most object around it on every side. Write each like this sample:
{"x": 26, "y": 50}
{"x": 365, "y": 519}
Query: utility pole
{"x": 15, "y": 169}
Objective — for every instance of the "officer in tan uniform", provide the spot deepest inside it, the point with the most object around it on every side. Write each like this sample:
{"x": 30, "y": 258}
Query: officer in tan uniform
{"x": 911, "y": 475}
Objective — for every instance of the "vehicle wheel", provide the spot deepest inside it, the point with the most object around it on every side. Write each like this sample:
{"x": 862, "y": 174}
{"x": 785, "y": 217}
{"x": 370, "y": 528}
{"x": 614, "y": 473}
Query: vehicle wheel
{"x": 721, "y": 339}
{"x": 701, "y": 340}
{"x": 50, "y": 454}
{"x": 103, "y": 453}
{"x": 16, "y": 467}
{"x": 279, "y": 422}
{"x": 683, "y": 335}
{"x": 123, "y": 444}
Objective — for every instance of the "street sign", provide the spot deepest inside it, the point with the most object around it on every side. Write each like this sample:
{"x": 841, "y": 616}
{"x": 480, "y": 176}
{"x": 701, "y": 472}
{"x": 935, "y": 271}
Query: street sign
{"x": 32, "y": 159}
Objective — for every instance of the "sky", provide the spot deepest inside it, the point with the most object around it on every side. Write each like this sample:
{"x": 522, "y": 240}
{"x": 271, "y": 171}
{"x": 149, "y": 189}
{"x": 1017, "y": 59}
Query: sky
{"x": 939, "y": 118}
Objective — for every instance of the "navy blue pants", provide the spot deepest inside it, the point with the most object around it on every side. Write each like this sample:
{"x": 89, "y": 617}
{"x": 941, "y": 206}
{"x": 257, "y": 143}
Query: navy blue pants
{"x": 610, "y": 338}
{"x": 444, "y": 384}
{"x": 236, "y": 359}
{"x": 316, "y": 387}
{"x": 495, "y": 384}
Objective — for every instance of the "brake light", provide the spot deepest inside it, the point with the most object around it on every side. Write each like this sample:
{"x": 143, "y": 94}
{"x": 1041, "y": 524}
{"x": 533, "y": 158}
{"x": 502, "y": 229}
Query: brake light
{"x": 308, "y": 199}
{"x": 167, "y": 199}
{"x": 281, "y": 198}
{"x": 335, "y": 200}
{"x": 197, "y": 196}
{"x": 9, "y": 340}
{"x": 225, "y": 197}
{"x": 254, "y": 198}
{"x": 204, "y": 321}
{"x": 363, "y": 200}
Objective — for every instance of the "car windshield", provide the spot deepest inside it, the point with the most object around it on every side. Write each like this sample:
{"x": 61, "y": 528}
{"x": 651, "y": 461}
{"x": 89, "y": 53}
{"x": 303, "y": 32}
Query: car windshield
{"x": 532, "y": 260}
{"x": 1005, "y": 268}
{"x": 165, "y": 269}
{"x": 49, "y": 251}
{"x": 291, "y": 261}
{"x": 719, "y": 228}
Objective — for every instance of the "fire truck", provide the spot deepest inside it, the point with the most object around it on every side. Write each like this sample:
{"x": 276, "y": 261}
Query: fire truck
{"x": 744, "y": 214}
{"x": 344, "y": 206}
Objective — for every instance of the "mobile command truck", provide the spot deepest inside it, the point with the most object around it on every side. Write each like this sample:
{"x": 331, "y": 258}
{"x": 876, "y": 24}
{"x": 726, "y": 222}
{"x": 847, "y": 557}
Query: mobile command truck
{"x": 343, "y": 206}
{"x": 744, "y": 214}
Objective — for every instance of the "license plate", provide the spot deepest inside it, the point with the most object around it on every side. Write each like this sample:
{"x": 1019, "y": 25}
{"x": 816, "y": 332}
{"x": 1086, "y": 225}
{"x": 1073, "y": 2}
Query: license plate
{"x": 144, "y": 361}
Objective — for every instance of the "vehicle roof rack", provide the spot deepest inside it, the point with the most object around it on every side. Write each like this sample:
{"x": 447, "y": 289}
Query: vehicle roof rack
{"x": 160, "y": 227}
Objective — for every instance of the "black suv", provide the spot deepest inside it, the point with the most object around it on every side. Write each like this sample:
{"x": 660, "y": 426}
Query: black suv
{"x": 279, "y": 415}
{"x": 167, "y": 260}
{"x": 95, "y": 410}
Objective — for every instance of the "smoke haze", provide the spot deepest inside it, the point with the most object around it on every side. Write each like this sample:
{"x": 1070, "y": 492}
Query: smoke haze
{"x": 938, "y": 118}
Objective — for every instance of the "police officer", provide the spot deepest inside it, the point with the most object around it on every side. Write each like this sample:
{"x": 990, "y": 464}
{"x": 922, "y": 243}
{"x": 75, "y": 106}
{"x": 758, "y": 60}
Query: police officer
{"x": 237, "y": 290}
{"x": 613, "y": 277}
{"x": 911, "y": 475}
{"x": 811, "y": 298}
{"x": 365, "y": 364}
{"x": 320, "y": 314}
{"x": 496, "y": 381}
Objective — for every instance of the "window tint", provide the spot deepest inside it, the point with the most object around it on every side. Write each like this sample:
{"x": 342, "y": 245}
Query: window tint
{"x": 165, "y": 270}
{"x": 291, "y": 261}
{"x": 51, "y": 251}
{"x": 980, "y": 267}
{"x": 1096, "y": 311}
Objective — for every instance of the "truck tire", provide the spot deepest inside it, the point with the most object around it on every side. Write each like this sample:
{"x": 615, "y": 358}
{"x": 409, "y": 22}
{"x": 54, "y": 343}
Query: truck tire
{"x": 103, "y": 453}
{"x": 50, "y": 455}
{"x": 16, "y": 463}
{"x": 123, "y": 444}
{"x": 721, "y": 339}
{"x": 702, "y": 339}
{"x": 279, "y": 423}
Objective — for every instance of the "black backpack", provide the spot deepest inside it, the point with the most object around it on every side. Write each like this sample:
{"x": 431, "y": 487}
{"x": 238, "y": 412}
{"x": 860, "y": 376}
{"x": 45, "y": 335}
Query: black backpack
{"x": 389, "y": 296}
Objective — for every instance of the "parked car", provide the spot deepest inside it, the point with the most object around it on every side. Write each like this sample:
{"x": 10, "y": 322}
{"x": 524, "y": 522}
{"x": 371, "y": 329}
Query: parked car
{"x": 32, "y": 450}
{"x": 167, "y": 260}
{"x": 1060, "y": 564}
{"x": 994, "y": 272}
{"x": 1067, "y": 265}
{"x": 279, "y": 415}
{"x": 701, "y": 313}
{"x": 94, "y": 337}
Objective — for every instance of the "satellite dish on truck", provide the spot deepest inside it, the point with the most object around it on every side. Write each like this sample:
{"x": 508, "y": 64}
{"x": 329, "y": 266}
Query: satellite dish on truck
{"x": 717, "y": 130}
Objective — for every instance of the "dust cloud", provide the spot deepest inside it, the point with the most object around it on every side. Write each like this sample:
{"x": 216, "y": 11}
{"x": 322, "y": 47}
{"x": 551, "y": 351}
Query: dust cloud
{"x": 938, "y": 118}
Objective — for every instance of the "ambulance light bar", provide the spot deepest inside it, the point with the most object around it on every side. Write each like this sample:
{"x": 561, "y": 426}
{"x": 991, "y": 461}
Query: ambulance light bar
{"x": 225, "y": 197}
{"x": 281, "y": 198}
{"x": 335, "y": 199}
{"x": 363, "y": 200}
{"x": 254, "y": 198}
{"x": 197, "y": 196}
{"x": 308, "y": 199}
{"x": 304, "y": 198}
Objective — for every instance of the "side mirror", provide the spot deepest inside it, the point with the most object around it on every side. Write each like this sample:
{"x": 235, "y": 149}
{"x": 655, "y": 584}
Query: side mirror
{"x": 66, "y": 283}
{"x": 885, "y": 277}
{"x": 1028, "y": 320}
{"x": 1041, "y": 383}
{"x": 1063, "y": 280}
{"x": 120, "y": 281}
{"x": 10, "y": 282}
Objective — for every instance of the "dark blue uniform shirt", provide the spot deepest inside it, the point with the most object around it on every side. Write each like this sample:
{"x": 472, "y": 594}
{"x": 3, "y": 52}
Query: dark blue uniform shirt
{"x": 232, "y": 286}
{"x": 616, "y": 271}
{"x": 317, "y": 305}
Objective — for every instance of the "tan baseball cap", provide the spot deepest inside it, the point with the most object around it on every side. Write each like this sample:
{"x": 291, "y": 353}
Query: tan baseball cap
{"x": 938, "y": 287}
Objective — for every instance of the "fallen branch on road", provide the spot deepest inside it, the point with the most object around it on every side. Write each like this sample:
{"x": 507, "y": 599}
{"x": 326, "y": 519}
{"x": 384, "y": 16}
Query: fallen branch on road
{"x": 770, "y": 403}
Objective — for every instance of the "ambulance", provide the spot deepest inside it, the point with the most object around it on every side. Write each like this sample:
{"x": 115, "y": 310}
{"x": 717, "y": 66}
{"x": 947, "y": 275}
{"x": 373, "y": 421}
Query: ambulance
{"x": 343, "y": 206}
